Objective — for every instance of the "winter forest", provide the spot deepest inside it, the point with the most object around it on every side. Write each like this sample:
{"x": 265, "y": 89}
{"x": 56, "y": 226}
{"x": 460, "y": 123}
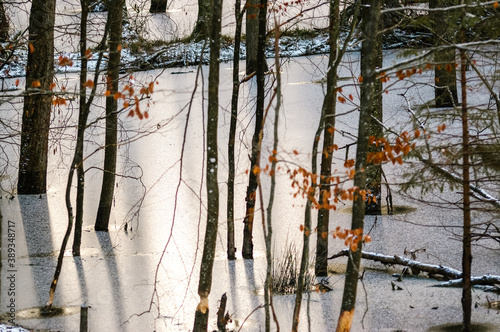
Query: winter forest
{"x": 209, "y": 165}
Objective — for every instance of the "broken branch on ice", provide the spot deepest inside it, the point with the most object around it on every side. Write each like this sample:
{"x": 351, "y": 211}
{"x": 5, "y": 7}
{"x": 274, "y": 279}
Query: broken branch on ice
{"x": 432, "y": 269}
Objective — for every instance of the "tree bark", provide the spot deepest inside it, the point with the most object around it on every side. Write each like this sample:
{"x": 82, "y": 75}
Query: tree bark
{"x": 373, "y": 204}
{"x": 222, "y": 316}
{"x": 328, "y": 112}
{"x": 4, "y": 23}
{"x": 158, "y": 6}
{"x": 207, "y": 262}
{"x": 231, "y": 247}
{"x": 466, "y": 238}
{"x": 252, "y": 35}
{"x": 368, "y": 73}
{"x": 445, "y": 74}
{"x": 201, "y": 28}
{"x": 251, "y": 195}
{"x": 115, "y": 15}
{"x": 37, "y": 100}
{"x": 82, "y": 124}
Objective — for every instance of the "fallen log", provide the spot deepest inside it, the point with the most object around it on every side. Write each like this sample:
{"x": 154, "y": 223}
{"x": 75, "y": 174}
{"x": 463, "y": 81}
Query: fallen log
{"x": 486, "y": 280}
{"x": 433, "y": 270}
{"x": 446, "y": 272}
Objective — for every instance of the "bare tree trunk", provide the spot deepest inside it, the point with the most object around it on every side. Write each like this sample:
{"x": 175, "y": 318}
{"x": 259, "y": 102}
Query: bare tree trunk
{"x": 255, "y": 156}
{"x": 158, "y": 6}
{"x": 252, "y": 35}
{"x": 37, "y": 100}
{"x": 4, "y": 23}
{"x": 201, "y": 28}
{"x": 467, "y": 254}
{"x": 231, "y": 247}
{"x": 82, "y": 123}
{"x": 207, "y": 262}
{"x": 115, "y": 15}
{"x": 368, "y": 73}
{"x": 445, "y": 73}
{"x": 328, "y": 112}
{"x": 373, "y": 204}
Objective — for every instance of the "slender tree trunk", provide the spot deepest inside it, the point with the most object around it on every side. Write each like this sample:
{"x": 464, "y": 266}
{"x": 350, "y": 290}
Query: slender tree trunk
{"x": 259, "y": 113}
{"x": 4, "y": 23}
{"x": 252, "y": 35}
{"x": 445, "y": 73}
{"x": 108, "y": 182}
{"x": 328, "y": 112}
{"x": 231, "y": 247}
{"x": 467, "y": 254}
{"x": 207, "y": 262}
{"x": 368, "y": 73}
{"x": 82, "y": 123}
{"x": 37, "y": 100}
{"x": 158, "y": 6}
{"x": 373, "y": 204}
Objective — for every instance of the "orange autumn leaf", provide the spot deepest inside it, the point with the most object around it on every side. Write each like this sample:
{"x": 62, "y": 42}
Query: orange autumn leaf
{"x": 495, "y": 5}
{"x": 126, "y": 104}
{"x": 349, "y": 163}
{"x": 89, "y": 84}
{"x": 58, "y": 101}
{"x": 324, "y": 235}
{"x": 17, "y": 82}
{"x": 295, "y": 152}
{"x": 119, "y": 47}
{"x": 146, "y": 114}
{"x": 360, "y": 79}
{"x": 368, "y": 238}
{"x": 88, "y": 54}
{"x": 256, "y": 170}
{"x": 351, "y": 97}
{"x": 52, "y": 86}
{"x": 32, "y": 48}
{"x": 65, "y": 61}
{"x": 417, "y": 133}
{"x": 107, "y": 93}
{"x": 342, "y": 99}
{"x": 36, "y": 84}
{"x": 301, "y": 228}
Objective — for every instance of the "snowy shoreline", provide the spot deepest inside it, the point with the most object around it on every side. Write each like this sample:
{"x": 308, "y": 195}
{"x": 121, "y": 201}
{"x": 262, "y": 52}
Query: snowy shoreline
{"x": 181, "y": 54}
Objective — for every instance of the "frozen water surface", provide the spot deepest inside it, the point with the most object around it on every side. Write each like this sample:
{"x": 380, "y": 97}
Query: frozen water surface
{"x": 119, "y": 275}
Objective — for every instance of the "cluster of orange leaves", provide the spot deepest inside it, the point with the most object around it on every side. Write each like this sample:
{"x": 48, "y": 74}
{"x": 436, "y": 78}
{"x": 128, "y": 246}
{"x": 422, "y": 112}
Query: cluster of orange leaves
{"x": 391, "y": 152}
{"x": 402, "y": 74}
{"x": 65, "y": 61}
{"x": 278, "y": 7}
{"x": 351, "y": 237}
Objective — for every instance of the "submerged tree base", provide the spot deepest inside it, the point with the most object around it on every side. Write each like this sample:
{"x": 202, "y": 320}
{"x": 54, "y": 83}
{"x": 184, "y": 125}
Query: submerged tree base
{"x": 396, "y": 209}
{"x": 476, "y": 327}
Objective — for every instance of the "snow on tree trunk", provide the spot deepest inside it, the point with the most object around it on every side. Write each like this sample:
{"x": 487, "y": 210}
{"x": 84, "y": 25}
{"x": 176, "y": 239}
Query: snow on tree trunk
{"x": 207, "y": 261}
